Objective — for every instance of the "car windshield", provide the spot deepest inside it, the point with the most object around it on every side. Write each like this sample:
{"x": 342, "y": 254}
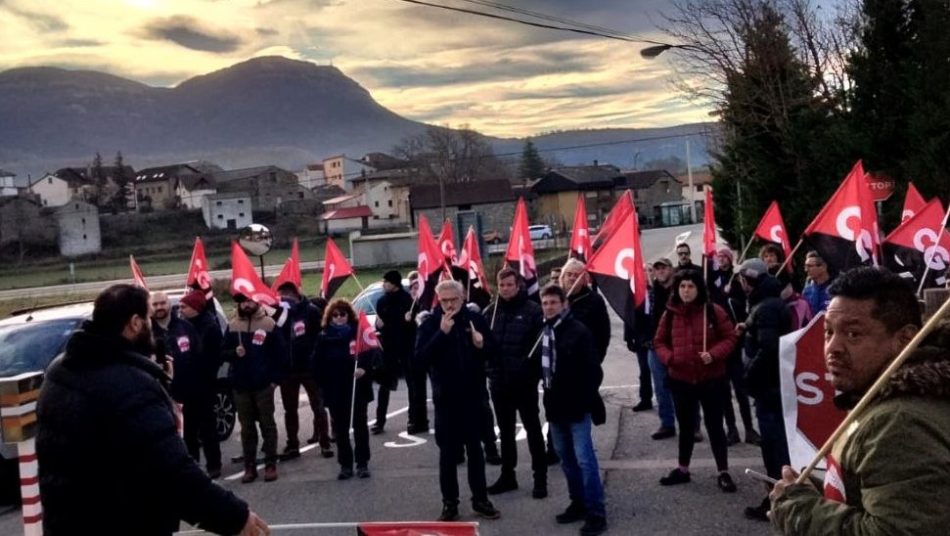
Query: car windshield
{"x": 366, "y": 301}
{"x": 31, "y": 347}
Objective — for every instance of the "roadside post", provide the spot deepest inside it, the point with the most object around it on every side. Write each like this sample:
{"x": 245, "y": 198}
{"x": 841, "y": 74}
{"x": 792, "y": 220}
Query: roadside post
{"x": 18, "y": 396}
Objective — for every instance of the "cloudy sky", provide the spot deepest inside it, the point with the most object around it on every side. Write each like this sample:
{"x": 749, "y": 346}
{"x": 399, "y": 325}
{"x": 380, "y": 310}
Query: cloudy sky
{"x": 423, "y": 63}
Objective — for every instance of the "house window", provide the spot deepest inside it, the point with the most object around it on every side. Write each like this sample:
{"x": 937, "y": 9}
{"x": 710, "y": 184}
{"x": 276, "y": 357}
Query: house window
{"x": 699, "y": 187}
{"x": 300, "y": 195}
{"x": 84, "y": 221}
{"x": 465, "y": 207}
{"x": 390, "y": 203}
{"x": 273, "y": 176}
{"x": 49, "y": 180}
{"x": 377, "y": 204}
{"x": 83, "y": 237}
{"x": 241, "y": 215}
{"x": 159, "y": 189}
{"x": 218, "y": 203}
{"x": 220, "y": 216}
{"x": 240, "y": 202}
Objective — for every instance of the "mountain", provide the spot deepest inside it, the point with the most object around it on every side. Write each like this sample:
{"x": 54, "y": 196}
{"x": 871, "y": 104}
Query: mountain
{"x": 264, "y": 110}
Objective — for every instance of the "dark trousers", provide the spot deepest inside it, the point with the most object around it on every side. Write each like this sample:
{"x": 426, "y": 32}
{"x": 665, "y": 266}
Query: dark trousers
{"x": 416, "y": 378}
{"x": 772, "y": 429}
{"x": 200, "y": 430}
{"x": 290, "y": 396}
{"x": 453, "y": 437}
{"x": 734, "y": 372}
{"x": 382, "y": 404}
{"x": 341, "y": 427}
{"x": 646, "y": 382}
{"x": 523, "y": 400}
{"x": 488, "y": 422}
{"x": 257, "y": 407}
{"x": 687, "y": 398}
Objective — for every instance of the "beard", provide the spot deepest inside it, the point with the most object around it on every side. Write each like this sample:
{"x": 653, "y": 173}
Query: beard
{"x": 246, "y": 312}
{"x": 143, "y": 342}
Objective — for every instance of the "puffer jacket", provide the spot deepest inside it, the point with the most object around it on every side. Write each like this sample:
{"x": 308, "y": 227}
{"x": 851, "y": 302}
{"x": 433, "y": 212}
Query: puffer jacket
{"x": 266, "y": 358}
{"x": 679, "y": 340}
{"x": 769, "y": 319}
{"x": 895, "y": 462}
{"x": 516, "y": 326}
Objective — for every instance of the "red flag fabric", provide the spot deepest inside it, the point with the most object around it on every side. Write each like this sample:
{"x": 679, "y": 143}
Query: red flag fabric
{"x": 618, "y": 213}
{"x": 245, "y": 281}
{"x": 366, "y": 338}
{"x": 447, "y": 243}
{"x": 580, "y": 234}
{"x": 422, "y": 528}
{"x": 913, "y": 203}
{"x": 617, "y": 266}
{"x": 198, "y": 277}
{"x": 845, "y": 232}
{"x": 772, "y": 228}
{"x": 137, "y": 276}
{"x": 709, "y": 227}
{"x": 913, "y": 246}
{"x": 471, "y": 260}
{"x": 335, "y": 270}
{"x": 520, "y": 250}
{"x": 430, "y": 259}
{"x": 290, "y": 273}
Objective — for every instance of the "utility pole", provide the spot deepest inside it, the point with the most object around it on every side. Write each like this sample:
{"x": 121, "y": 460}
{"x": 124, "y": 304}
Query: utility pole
{"x": 692, "y": 191}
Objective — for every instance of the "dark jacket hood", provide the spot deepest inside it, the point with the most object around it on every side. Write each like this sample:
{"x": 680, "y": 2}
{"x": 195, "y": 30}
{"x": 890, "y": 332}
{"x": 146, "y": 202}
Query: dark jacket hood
{"x": 768, "y": 287}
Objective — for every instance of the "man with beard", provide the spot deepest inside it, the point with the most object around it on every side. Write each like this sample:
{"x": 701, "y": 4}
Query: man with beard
{"x": 193, "y": 380}
{"x": 397, "y": 337}
{"x": 684, "y": 258}
{"x": 889, "y": 472}
{"x": 299, "y": 328}
{"x": 513, "y": 380}
{"x": 258, "y": 356}
{"x": 106, "y": 400}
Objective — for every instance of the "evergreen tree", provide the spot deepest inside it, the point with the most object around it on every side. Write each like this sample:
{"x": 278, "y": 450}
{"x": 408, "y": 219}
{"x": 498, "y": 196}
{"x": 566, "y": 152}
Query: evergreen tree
{"x": 120, "y": 201}
{"x": 532, "y": 167}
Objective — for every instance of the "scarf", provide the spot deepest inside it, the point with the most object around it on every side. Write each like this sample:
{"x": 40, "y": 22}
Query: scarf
{"x": 548, "y": 348}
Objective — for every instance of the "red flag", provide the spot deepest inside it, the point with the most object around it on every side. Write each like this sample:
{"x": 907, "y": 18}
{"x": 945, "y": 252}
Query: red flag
{"x": 198, "y": 277}
{"x": 366, "y": 338}
{"x": 290, "y": 273}
{"x": 913, "y": 203}
{"x": 137, "y": 276}
{"x": 335, "y": 270}
{"x": 580, "y": 234}
{"x": 471, "y": 260}
{"x": 430, "y": 259}
{"x": 618, "y": 213}
{"x": 245, "y": 281}
{"x": 447, "y": 243}
{"x": 914, "y": 245}
{"x": 617, "y": 266}
{"x": 421, "y": 528}
{"x": 520, "y": 250}
{"x": 845, "y": 232}
{"x": 709, "y": 228}
{"x": 772, "y": 228}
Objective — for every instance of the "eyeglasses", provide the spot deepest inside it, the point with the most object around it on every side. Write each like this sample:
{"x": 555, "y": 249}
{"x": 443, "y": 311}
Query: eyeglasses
{"x": 813, "y": 265}
{"x": 339, "y": 314}
{"x": 683, "y": 254}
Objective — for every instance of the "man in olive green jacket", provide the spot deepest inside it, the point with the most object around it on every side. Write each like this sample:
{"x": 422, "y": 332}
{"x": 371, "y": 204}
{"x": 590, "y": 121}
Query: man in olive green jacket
{"x": 890, "y": 472}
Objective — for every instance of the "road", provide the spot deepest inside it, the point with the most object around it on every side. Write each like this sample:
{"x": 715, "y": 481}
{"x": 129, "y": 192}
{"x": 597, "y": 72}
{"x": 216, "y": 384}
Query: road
{"x": 404, "y": 482}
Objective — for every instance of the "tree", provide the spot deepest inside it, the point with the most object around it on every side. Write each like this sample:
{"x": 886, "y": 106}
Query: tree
{"x": 120, "y": 200}
{"x": 98, "y": 179}
{"x": 532, "y": 167}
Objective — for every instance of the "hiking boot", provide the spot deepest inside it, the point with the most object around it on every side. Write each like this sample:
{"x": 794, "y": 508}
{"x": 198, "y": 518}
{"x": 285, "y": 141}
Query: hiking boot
{"x": 450, "y": 511}
{"x": 491, "y": 454}
{"x": 676, "y": 476}
{"x": 485, "y": 509}
{"x": 593, "y": 526}
{"x": 725, "y": 483}
{"x": 573, "y": 513}
{"x": 552, "y": 457}
{"x": 644, "y": 405}
{"x": 760, "y": 512}
{"x": 250, "y": 474}
{"x": 362, "y": 471}
{"x": 540, "y": 489}
{"x": 752, "y": 437}
{"x": 732, "y": 436}
{"x": 506, "y": 482}
{"x": 326, "y": 452}
{"x": 289, "y": 453}
{"x": 346, "y": 473}
{"x": 664, "y": 432}
{"x": 270, "y": 472}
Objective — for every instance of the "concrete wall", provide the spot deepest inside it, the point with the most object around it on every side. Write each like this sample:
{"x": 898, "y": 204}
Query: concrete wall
{"x": 79, "y": 232}
{"x": 384, "y": 250}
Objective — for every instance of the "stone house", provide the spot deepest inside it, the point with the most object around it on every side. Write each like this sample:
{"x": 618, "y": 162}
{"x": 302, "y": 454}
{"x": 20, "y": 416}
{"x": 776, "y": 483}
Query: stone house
{"x": 155, "y": 187}
{"x": 230, "y": 210}
{"x": 386, "y": 193}
{"x": 191, "y": 189}
{"x": 268, "y": 186}
{"x": 558, "y": 189}
{"x": 58, "y": 188}
{"x": 653, "y": 190}
{"x": 492, "y": 199}
{"x": 78, "y": 224}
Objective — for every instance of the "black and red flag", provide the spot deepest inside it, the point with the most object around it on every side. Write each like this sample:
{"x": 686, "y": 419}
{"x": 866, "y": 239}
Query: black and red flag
{"x": 772, "y": 229}
{"x": 431, "y": 264}
{"x": 471, "y": 260}
{"x": 137, "y": 276}
{"x": 335, "y": 270}
{"x": 447, "y": 243}
{"x": 245, "y": 281}
{"x": 580, "y": 234}
{"x": 198, "y": 276}
{"x": 845, "y": 232}
{"x": 914, "y": 245}
{"x": 618, "y": 213}
{"x": 290, "y": 273}
{"x": 617, "y": 268}
{"x": 913, "y": 203}
{"x": 520, "y": 252}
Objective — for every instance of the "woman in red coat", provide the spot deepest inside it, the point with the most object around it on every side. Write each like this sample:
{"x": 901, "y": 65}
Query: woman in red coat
{"x": 693, "y": 339}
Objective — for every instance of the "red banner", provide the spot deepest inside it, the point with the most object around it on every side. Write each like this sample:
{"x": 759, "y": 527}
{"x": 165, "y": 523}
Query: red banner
{"x": 580, "y": 234}
{"x": 245, "y": 281}
{"x": 772, "y": 228}
{"x": 913, "y": 203}
{"x": 137, "y": 276}
{"x": 417, "y": 529}
{"x": 290, "y": 273}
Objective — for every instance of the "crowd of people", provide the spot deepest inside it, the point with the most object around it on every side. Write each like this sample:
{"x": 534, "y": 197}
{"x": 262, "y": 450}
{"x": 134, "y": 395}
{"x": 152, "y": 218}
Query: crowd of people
{"x": 709, "y": 338}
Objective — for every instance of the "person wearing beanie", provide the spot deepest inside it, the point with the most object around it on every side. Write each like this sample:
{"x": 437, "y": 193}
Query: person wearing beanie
{"x": 397, "y": 338}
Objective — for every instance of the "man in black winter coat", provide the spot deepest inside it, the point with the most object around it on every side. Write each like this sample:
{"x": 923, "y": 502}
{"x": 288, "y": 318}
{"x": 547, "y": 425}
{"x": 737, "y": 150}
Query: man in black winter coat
{"x": 513, "y": 380}
{"x": 300, "y": 325}
{"x": 452, "y": 344}
{"x": 106, "y": 400}
{"x": 397, "y": 333}
{"x": 587, "y": 306}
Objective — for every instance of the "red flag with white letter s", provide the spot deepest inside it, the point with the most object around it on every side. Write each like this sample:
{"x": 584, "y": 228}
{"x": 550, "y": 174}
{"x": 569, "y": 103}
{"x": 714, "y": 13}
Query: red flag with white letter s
{"x": 471, "y": 260}
{"x": 447, "y": 243}
{"x": 914, "y": 248}
{"x": 245, "y": 281}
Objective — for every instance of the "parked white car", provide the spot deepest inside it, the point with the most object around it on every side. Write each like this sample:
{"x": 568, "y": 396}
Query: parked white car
{"x": 540, "y": 232}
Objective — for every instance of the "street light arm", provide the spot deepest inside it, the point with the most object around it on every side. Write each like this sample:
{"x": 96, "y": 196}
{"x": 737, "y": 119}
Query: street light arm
{"x": 650, "y": 53}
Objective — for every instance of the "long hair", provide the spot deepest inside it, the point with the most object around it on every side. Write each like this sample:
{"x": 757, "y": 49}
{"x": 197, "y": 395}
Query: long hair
{"x": 696, "y": 278}
{"x": 339, "y": 304}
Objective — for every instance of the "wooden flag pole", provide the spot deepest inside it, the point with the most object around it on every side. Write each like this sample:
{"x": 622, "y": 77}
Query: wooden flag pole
{"x": 746, "y": 250}
{"x": 497, "y": 297}
{"x": 790, "y": 255}
{"x": 943, "y": 228}
{"x": 358, "y": 284}
{"x": 353, "y": 396}
{"x": 705, "y": 308}
{"x": 871, "y": 394}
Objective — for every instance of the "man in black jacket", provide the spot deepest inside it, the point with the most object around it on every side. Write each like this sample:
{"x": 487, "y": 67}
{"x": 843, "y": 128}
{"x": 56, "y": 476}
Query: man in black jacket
{"x": 397, "y": 334}
{"x": 513, "y": 380}
{"x": 300, "y": 326}
{"x": 769, "y": 318}
{"x": 105, "y": 400}
{"x": 684, "y": 258}
{"x": 571, "y": 376}
{"x": 452, "y": 345}
{"x": 587, "y": 306}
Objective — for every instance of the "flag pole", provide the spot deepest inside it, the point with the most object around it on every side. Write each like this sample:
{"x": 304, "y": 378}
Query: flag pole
{"x": 360, "y": 285}
{"x": 876, "y": 387}
{"x": 576, "y": 281}
{"x": 943, "y": 229}
{"x": 790, "y": 255}
{"x": 746, "y": 250}
{"x": 353, "y": 398}
{"x": 495, "y": 310}
{"x": 705, "y": 308}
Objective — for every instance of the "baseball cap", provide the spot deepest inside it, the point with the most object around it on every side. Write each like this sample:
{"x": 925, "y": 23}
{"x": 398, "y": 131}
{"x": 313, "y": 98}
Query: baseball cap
{"x": 663, "y": 261}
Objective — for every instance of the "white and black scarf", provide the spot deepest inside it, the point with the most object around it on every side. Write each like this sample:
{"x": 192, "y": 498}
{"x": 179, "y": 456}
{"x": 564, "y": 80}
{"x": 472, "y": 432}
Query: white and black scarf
{"x": 548, "y": 348}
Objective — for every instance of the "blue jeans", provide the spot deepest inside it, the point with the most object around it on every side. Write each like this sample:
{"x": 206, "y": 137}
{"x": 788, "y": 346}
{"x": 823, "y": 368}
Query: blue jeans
{"x": 664, "y": 398}
{"x": 576, "y": 448}
{"x": 772, "y": 430}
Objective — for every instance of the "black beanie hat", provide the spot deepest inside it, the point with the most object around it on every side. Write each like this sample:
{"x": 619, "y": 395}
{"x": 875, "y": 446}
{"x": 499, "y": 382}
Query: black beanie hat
{"x": 393, "y": 277}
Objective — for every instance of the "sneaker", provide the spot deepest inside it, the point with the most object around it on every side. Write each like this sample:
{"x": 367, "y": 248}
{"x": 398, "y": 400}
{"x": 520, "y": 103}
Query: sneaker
{"x": 664, "y": 432}
{"x": 505, "y": 483}
{"x": 414, "y": 428}
{"x": 574, "y": 512}
{"x": 752, "y": 437}
{"x": 593, "y": 526}
{"x": 491, "y": 454}
{"x": 289, "y": 453}
{"x": 346, "y": 473}
{"x": 450, "y": 511}
{"x": 552, "y": 457}
{"x": 378, "y": 428}
{"x": 732, "y": 437}
{"x": 644, "y": 405}
{"x": 485, "y": 509}
{"x": 725, "y": 483}
{"x": 540, "y": 489}
{"x": 250, "y": 474}
{"x": 675, "y": 477}
{"x": 270, "y": 472}
{"x": 362, "y": 471}
{"x": 760, "y": 512}
{"x": 326, "y": 452}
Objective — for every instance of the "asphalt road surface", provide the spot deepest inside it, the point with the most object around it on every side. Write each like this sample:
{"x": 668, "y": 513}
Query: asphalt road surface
{"x": 404, "y": 482}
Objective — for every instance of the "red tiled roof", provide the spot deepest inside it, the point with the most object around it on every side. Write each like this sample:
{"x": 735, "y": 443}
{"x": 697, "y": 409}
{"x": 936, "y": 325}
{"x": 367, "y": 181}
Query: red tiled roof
{"x": 361, "y": 211}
